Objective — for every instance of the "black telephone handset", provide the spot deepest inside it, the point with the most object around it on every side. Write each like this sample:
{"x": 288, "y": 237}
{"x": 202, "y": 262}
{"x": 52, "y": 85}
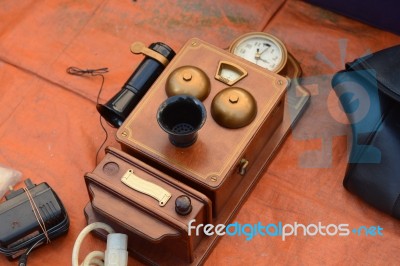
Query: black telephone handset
{"x": 117, "y": 109}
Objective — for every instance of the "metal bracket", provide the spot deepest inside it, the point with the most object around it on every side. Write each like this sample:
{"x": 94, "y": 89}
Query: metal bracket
{"x": 140, "y": 48}
{"x": 243, "y": 166}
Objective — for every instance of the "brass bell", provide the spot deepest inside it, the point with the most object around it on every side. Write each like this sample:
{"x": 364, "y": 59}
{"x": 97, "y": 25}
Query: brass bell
{"x": 233, "y": 107}
{"x": 189, "y": 80}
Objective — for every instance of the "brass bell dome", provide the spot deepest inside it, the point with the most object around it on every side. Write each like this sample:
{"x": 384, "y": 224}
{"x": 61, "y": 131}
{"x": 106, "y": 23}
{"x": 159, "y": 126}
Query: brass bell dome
{"x": 188, "y": 80}
{"x": 233, "y": 107}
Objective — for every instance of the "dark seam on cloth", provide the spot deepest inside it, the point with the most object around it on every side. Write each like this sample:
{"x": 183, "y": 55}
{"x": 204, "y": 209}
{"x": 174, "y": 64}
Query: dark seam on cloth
{"x": 9, "y": 116}
{"x": 274, "y": 15}
{"x": 48, "y": 80}
{"x": 57, "y": 57}
{"x": 78, "y": 32}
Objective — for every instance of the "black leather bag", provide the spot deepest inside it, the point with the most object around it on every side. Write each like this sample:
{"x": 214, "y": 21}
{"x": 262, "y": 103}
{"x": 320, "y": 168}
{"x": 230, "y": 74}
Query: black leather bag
{"x": 369, "y": 91}
{"x": 381, "y": 14}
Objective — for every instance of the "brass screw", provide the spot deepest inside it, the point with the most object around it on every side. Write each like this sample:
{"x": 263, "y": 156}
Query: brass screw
{"x": 280, "y": 82}
{"x": 233, "y": 98}
{"x": 124, "y": 134}
{"x": 194, "y": 43}
{"x": 214, "y": 178}
{"x": 187, "y": 76}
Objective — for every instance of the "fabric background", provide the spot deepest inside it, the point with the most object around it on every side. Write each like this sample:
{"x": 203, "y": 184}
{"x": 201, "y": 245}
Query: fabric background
{"x": 50, "y": 131}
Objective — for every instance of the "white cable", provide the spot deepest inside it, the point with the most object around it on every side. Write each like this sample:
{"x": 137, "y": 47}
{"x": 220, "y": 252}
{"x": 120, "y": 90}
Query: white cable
{"x": 94, "y": 258}
{"x": 116, "y": 253}
{"x": 82, "y": 235}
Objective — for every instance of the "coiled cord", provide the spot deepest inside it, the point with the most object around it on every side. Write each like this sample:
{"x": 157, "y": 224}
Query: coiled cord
{"x": 95, "y": 257}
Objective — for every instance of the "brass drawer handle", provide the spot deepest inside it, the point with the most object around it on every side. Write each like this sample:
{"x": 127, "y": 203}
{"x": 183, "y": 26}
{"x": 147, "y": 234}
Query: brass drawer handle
{"x": 146, "y": 187}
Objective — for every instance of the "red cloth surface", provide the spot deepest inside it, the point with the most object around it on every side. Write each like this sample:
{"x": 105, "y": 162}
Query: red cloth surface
{"x": 50, "y": 129}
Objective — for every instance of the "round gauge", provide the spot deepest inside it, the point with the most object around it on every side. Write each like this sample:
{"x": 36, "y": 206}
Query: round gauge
{"x": 261, "y": 49}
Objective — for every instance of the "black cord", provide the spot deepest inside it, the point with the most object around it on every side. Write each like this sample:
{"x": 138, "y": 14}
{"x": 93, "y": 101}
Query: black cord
{"x": 105, "y": 140}
{"x": 23, "y": 260}
{"x": 93, "y": 72}
{"x": 28, "y": 245}
{"x": 80, "y": 72}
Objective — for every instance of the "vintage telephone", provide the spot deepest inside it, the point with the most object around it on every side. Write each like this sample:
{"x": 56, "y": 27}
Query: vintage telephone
{"x": 195, "y": 145}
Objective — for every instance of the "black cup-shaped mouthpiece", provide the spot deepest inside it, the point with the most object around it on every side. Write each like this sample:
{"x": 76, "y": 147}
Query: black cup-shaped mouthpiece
{"x": 181, "y": 116}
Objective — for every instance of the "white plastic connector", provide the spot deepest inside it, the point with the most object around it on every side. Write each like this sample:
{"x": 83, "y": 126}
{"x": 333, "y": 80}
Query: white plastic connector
{"x": 116, "y": 253}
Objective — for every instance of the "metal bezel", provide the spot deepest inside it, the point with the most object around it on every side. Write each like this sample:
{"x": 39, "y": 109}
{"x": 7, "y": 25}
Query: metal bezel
{"x": 264, "y": 35}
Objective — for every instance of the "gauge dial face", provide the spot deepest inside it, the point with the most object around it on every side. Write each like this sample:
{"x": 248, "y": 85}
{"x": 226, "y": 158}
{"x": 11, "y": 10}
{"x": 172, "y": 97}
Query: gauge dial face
{"x": 261, "y": 49}
{"x": 229, "y": 73}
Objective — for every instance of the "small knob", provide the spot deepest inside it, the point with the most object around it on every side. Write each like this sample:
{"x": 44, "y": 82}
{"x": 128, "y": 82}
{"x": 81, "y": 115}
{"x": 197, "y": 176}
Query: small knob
{"x": 187, "y": 76}
{"x": 183, "y": 205}
{"x": 233, "y": 98}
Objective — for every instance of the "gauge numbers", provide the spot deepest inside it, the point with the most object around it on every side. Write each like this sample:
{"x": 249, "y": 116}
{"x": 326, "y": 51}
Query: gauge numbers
{"x": 262, "y": 49}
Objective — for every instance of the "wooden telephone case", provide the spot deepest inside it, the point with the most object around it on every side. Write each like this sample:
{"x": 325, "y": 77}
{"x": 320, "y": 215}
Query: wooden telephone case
{"x": 217, "y": 172}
